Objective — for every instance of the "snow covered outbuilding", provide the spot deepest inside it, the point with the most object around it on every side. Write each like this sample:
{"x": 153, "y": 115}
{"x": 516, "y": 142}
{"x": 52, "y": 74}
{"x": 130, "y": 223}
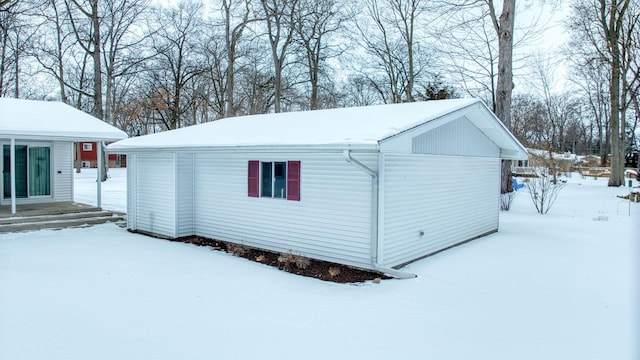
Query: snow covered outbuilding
{"x": 37, "y": 149}
{"x": 372, "y": 187}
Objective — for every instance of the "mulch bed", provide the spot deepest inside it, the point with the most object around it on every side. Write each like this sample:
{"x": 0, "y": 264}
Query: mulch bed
{"x": 318, "y": 269}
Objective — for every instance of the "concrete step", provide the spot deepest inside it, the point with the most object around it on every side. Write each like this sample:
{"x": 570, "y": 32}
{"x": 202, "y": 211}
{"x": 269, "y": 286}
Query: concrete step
{"x": 51, "y": 217}
{"x": 32, "y": 223}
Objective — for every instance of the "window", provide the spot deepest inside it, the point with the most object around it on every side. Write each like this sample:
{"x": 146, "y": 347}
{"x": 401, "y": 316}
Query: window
{"x": 87, "y": 146}
{"x": 86, "y": 164}
{"x": 277, "y": 179}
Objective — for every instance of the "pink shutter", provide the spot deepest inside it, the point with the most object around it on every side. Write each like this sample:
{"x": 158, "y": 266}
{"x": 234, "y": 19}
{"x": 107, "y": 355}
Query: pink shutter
{"x": 293, "y": 180}
{"x": 254, "y": 178}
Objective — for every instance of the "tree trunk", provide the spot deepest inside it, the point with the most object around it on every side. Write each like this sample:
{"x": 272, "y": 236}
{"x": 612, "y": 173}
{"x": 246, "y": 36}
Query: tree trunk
{"x": 614, "y": 91}
{"x": 97, "y": 78}
{"x": 230, "y": 47}
{"x": 612, "y": 27}
{"x": 17, "y": 67}
{"x": 77, "y": 158}
{"x": 504, "y": 87}
{"x": 97, "y": 62}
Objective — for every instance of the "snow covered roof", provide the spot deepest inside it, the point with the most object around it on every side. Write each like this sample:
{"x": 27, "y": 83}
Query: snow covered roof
{"x": 355, "y": 126}
{"x": 50, "y": 120}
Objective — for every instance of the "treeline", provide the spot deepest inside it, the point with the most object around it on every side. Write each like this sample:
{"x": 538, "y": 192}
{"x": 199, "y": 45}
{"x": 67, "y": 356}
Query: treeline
{"x": 147, "y": 67}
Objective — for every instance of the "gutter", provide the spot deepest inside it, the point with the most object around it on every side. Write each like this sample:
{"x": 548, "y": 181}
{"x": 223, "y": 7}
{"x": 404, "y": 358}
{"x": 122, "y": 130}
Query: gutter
{"x": 374, "y": 220}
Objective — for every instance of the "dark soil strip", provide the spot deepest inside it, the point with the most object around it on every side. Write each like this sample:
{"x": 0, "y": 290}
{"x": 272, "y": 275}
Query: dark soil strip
{"x": 318, "y": 269}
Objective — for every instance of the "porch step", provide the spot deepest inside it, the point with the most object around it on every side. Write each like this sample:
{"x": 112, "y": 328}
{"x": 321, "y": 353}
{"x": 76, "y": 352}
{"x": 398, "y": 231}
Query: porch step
{"x": 58, "y": 221}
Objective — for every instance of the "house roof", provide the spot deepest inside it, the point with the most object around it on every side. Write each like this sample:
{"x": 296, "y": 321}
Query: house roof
{"x": 356, "y": 126}
{"x": 50, "y": 120}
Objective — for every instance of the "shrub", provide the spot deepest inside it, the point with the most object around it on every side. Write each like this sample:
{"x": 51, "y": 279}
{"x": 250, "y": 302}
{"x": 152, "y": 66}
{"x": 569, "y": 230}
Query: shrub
{"x": 506, "y": 199}
{"x": 544, "y": 191}
{"x": 334, "y": 271}
{"x": 288, "y": 259}
{"x": 237, "y": 250}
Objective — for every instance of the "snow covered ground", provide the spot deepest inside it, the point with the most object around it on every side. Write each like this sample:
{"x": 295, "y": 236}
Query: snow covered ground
{"x": 114, "y": 190}
{"x": 555, "y": 286}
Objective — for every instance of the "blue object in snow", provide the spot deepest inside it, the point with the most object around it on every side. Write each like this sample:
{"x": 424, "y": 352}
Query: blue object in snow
{"x": 516, "y": 186}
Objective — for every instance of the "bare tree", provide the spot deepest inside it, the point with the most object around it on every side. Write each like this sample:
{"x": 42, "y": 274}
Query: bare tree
{"x": 121, "y": 47}
{"x": 388, "y": 30}
{"x": 51, "y": 54}
{"x": 544, "y": 191}
{"x": 179, "y": 61}
{"x": 473, "y": 62}
{"x": 315, "y": 23}
{"x": 6, "y": 3}
{"x": 280, "y": 19}
{"x": 593, "y": 84}
{"x": 503, "y": 26}
{"x": 88, "y": 38}
{"x": 602, "y": 29}
{"x": 256, "y": 89}
{"x": 17, "y": 30}
{"x": 237, "y": 16}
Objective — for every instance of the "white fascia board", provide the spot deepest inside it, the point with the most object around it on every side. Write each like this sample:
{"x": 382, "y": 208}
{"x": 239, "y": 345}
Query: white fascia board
{"x": 114, "y": 149}
{"x": 62, "y": 137}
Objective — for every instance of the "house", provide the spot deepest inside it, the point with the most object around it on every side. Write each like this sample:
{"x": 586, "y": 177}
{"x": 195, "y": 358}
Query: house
{"x": 37, "y": 149}
{"x": 87, "y": 154}
{"x": 371, "y": 187}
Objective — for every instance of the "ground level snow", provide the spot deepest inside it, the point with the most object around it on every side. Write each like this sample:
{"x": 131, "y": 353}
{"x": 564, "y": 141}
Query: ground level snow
{"x": 559, "y": 286}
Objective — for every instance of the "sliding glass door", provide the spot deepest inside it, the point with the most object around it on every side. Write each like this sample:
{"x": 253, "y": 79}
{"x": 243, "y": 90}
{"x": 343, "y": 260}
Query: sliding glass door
{"x": 33, "y": 171}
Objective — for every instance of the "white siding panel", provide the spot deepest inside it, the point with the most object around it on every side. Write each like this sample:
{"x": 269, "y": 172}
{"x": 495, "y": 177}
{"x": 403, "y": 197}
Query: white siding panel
{"x": 458, "y": 137}
{"x": 433, "y": 194}
{"x": 184, "y": 200}
{"x": 62, "y": 156}
{"x": 331, "y": 222}
{"x": 155, "y": 193}
{"x": 132, "y": 192}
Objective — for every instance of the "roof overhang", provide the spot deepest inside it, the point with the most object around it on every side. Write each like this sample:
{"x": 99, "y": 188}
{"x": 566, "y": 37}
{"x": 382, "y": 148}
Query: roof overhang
{"x": 31, "y": 120}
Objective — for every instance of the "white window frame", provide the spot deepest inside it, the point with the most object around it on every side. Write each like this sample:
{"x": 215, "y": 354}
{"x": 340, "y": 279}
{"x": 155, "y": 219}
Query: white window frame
{"x": 273, "y": 180}
{"x": 87, "y": 146}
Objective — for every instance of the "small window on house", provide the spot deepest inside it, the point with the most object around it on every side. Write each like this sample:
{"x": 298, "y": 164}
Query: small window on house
{"x": 86, "y": 164}
{"x": 87, "y": 146}
{"x": 274, "y": 179}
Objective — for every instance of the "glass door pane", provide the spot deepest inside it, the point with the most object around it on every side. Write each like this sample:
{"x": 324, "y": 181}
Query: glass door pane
{"x": 39, "y": 171}
{"x": 21, "y": 171}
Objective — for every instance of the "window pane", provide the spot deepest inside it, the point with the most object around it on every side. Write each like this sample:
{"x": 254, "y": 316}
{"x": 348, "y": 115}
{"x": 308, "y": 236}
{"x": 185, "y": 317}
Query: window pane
{"x": 266, "y": 179}
{"x": 39, "y": 171}
{"x": 280, "y": 180}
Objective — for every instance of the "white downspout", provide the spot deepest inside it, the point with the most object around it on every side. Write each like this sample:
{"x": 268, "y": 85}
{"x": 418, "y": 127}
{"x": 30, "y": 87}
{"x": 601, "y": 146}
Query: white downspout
{"x": 12, "y": 168}
{"x": 374, "y": 220}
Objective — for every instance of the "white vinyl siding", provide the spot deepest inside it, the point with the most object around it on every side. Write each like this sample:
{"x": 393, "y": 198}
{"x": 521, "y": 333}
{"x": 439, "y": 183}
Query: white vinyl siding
{"x": 62, "y": 169}
{"x": 331, "y": 222}
{"x": 184, "y": 199}
{"x": 433, "y": 195}
{"x": 132, "y": 191}
{"x": 155, "y": 193}
{"x": 458, "y": 137}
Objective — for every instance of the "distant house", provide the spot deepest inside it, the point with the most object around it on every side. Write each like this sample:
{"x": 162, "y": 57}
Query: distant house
{"x": 87, "y": 153}
{"x": 37, "y": 149}
{"x": 371, "y": 187}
